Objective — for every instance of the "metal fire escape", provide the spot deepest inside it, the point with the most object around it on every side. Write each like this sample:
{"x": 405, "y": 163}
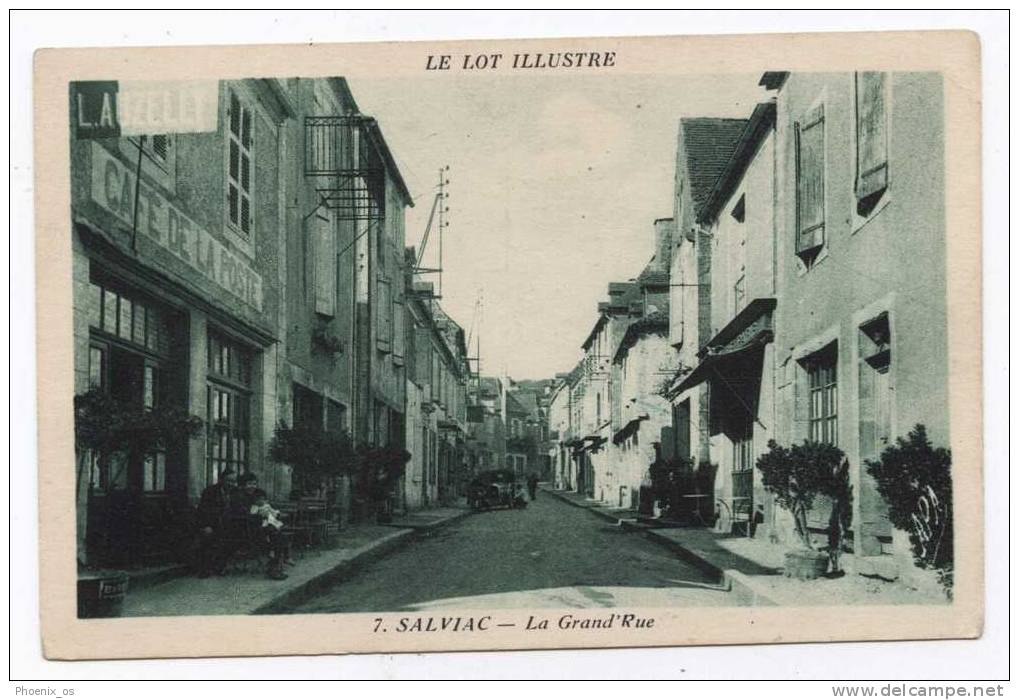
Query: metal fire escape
{"x": 341, "y": 154}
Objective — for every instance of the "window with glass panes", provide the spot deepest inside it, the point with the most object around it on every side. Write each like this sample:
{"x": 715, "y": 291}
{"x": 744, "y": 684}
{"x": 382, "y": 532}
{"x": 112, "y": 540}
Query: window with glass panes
{"x": 240, "y": 165}
{"x": 129, "y": 340}
{"x": 822, "y": 383}
{"x": 127, "y": 318}
{"x": 228, "y": 407}
{"x": 743, "y": 446}
{"x": 160, "y": 147}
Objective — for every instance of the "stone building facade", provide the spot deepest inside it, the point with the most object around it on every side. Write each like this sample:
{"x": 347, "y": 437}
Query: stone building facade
{"x": 241, "y": 273}
{"x": 178, "y": 301}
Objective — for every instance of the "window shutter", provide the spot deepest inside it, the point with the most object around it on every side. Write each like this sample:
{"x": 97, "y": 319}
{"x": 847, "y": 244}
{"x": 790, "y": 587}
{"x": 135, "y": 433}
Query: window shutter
{"x": 324, "y": 255}
{"x": 810, "y": 181}
{"x": 398, "y": 332}
{"x": 384, "y": 316}
{"x": 871, "y": 135}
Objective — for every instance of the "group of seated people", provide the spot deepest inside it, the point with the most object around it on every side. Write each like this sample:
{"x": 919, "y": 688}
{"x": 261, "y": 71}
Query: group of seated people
{"x": 232, "y": 510}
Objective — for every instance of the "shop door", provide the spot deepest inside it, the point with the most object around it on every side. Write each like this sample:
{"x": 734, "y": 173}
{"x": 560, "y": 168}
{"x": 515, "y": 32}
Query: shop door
{"x": 131, "y": 511}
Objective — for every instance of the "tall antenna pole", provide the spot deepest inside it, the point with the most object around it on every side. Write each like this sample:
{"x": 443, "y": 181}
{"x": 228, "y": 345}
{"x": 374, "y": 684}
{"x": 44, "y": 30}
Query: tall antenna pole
{"x": 439, "y": 210}
{"x": 443, "y": 196}
{"x": 481, "y": 309}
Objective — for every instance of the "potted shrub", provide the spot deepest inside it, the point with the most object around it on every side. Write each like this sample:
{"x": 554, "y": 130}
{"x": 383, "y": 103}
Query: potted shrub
{"x": 114, "y": 428}
{"x": 380, "y": 471}
{"x": 315, "y": 456}
{"x": 670, "y": 479}
{"x": 915, "y": 480}
{"x": 797, "y": 476}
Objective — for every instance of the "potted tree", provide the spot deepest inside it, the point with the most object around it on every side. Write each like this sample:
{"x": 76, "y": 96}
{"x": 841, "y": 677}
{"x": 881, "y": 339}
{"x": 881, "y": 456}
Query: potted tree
{"x": 797, "y": 476}
{"x": 112, "y": 430}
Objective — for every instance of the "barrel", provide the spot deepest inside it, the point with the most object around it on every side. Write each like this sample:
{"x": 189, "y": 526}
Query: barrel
{"x": 101, "y": 593}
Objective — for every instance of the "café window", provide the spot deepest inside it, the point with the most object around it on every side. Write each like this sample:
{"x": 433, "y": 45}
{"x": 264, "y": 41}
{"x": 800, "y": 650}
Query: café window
{"x": 240, "y": 166}
{"x": 129, "y": 343}
{"x": 128, "y": 318}
{"x": 228, "y": 406}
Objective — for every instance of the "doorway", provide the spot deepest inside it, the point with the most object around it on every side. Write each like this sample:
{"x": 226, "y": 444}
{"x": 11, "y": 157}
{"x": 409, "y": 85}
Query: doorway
{"x": 876, "y": 429}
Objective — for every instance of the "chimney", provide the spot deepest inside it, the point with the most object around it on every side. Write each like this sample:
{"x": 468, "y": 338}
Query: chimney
{"x": 663, "y": 243}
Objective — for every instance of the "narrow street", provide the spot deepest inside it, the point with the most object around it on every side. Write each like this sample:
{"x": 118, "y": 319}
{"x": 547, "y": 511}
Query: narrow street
{"x": 550, "y": 554}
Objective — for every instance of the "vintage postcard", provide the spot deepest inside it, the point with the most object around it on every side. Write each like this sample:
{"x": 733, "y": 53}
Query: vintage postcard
{"x": 526, "y": 344}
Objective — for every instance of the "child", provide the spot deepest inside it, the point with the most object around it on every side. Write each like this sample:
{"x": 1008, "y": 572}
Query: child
{"x": 270, "y": 516}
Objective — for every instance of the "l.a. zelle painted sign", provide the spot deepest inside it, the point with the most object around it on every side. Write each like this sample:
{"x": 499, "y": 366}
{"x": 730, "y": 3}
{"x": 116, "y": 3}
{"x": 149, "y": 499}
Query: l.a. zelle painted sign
{"x": 94, "y": 103}
{"x": 110, "y": 108}
{"x": 113, "y": 189}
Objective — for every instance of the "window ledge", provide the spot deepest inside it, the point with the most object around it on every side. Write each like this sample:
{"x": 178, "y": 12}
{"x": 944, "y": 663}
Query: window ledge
{"x": 243, "y": 243}
{"x": 860, "y": 222}
{"x": 803, "y": 267}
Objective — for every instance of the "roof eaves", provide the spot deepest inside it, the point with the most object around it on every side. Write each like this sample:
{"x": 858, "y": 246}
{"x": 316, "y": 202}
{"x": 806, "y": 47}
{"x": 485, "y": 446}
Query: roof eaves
{"x": 762, "y": 119}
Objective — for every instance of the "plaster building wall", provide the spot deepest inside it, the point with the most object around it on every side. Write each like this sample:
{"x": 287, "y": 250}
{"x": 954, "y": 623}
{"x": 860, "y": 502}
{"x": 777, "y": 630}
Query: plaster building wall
{"x": 703, "y": 147}
{"x": 641, "y": 376}
{"x": 855, "y": 289}
{"x": 742, "y": 404}
{"x": 316, "y": 376}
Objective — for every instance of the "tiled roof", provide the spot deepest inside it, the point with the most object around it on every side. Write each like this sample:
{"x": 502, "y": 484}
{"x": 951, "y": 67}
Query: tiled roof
{"x": 527, "y": 399}
{"x": 655, "y": 322}
{"x": 708, "y": 144}
{"x": 651, "y": 277}
{"x": 513, "y": 405}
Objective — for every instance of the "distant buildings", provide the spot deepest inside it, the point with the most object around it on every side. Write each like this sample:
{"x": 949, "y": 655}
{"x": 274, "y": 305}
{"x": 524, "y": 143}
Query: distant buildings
{"x": 786, "y": 312}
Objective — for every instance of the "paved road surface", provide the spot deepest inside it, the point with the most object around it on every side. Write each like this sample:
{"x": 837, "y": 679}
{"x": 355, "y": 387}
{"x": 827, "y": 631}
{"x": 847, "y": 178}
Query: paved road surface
{"x": 550, "y": 554}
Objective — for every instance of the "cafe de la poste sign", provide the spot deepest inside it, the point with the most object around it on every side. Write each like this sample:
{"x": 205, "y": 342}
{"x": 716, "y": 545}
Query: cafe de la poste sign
{"x": 108, "y": 109}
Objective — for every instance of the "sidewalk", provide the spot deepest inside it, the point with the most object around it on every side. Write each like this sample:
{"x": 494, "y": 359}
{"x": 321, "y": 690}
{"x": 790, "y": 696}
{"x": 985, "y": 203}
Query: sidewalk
{"x": 621, "y": 516}
{"x": 754, "y": 568}
{"x": 251, "y": 592}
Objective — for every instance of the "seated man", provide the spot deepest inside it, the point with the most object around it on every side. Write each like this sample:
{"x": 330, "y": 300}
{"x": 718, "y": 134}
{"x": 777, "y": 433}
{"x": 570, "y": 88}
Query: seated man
{"x": 254, "y": 504}
{"x": 213, "y": 522}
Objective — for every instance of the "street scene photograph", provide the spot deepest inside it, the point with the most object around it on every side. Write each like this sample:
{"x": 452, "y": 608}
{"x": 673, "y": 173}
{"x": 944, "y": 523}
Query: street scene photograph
{"x": 553, "y": 338}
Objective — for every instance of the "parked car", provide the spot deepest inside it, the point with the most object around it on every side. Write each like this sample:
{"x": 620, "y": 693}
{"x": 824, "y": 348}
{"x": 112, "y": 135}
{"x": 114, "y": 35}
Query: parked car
{"x": 495, "y": 488}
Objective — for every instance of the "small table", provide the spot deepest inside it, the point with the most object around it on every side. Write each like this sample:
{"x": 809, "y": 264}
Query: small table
{"x": 694, "y": 503}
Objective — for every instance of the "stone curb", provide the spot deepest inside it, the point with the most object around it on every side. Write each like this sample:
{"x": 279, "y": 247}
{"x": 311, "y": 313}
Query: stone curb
{"x": 590, "y": 508}
{"x": 732, "y": 580}
{"x": 342, "y": 569}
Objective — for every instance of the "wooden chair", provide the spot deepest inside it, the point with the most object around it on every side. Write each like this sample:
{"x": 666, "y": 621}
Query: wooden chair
{"x": 741, "y": 503}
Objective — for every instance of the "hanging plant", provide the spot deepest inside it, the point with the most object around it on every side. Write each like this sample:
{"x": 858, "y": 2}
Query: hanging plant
{"x": 326, "y": 341}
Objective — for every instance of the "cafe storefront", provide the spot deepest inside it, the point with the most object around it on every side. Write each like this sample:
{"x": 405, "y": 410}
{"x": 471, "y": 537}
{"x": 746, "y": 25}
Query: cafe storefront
{"x": 167, "y": 316}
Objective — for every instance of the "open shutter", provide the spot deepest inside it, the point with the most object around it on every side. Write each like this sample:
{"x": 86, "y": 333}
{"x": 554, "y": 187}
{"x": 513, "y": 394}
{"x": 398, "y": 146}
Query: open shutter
{"x": 399, "y": 339}
{"x": 810, "y": 181}
{"x": 384, "y": 316}
{"x": 871, "y": 135}
{"x": 323, "y": 243}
